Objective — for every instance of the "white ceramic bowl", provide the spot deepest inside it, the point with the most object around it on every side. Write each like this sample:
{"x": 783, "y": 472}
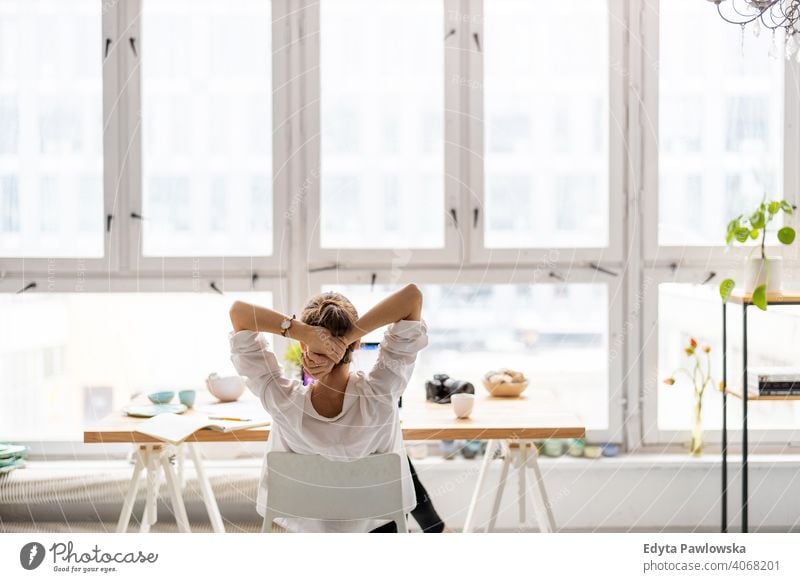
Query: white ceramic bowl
{"x": 226, "y": 389}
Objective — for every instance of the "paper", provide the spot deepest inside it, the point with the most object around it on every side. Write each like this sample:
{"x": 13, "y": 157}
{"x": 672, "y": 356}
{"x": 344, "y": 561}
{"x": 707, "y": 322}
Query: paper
{"x": 174, "y": 428}
{"x": 250, "y": 408}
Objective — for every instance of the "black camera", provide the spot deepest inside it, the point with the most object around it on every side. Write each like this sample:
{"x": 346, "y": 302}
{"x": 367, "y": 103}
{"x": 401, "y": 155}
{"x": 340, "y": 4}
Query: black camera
{"x": 443, "y": 386}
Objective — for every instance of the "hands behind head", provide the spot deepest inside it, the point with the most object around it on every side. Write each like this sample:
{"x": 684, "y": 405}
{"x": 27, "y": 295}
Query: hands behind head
{"x": 321, "y": 342}
{"x": 317, "y": 365}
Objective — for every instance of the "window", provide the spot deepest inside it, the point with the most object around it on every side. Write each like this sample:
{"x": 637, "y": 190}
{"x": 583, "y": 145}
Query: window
{"x": 67, "y": 359}
{"x": 546, "y": 135}
{"x": 51, "y": 127}
{"x": 382, "y": 127}
{"x": 556, "y": 334}
{"x": 207, "y": 115}
{"x": 685, "y": 311}
{"x": 720, "y": 123}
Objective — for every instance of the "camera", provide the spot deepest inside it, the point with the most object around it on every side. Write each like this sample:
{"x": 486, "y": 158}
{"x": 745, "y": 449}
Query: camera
{"x": 443, "y": 386}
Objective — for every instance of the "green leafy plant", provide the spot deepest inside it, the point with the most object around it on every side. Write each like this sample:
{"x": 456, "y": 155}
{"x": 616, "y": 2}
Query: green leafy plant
{"x": 744, "y": 228}
{"x": 293, "y": 356}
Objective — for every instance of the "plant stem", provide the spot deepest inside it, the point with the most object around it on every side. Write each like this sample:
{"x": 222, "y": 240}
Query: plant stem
{"x": 763, "y": 241}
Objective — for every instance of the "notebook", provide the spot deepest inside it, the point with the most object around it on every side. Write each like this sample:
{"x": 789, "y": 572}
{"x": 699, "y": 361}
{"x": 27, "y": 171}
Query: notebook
{"x": 175, "y": 428}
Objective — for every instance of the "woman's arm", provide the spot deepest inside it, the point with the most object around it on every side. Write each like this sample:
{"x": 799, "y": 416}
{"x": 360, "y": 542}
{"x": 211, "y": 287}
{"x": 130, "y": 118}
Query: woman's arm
{"x": 403, "y": 304}
{"x": 246, "y": 316}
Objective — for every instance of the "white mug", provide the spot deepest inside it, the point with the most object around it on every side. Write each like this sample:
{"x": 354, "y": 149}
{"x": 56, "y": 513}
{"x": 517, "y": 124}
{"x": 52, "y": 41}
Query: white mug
{"x": 462, "y": 404}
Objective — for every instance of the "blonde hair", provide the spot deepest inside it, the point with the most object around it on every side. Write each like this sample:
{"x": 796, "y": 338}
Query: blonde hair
{"x": 334, "y": 312}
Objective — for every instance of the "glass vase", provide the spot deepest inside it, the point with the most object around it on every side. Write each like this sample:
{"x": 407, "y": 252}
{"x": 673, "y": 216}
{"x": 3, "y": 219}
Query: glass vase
{"x": 696, "y": 445}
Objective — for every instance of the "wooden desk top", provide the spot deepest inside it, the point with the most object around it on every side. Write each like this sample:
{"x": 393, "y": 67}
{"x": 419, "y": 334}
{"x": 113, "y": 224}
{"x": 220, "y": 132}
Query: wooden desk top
{"x": 535, "y": 415}
{"x": 783, "y": 296}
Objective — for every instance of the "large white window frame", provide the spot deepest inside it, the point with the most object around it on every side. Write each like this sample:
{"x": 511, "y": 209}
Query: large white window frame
{"x": 453, "y": 40}
{"x": 176, "y": 283}
{"x": 130, "y": 66}
{"x": 700, "y": 255}
{"x": 628, "y": 266}
{"x": 652, "y": 434}
{"x": 474, "y": 152}
{"x": 505, "y": 276}
{"x": 687, "y": 264}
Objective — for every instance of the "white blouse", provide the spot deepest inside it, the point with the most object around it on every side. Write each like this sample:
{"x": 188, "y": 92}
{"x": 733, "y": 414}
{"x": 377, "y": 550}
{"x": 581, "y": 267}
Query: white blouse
{"x": 368, "y": 423}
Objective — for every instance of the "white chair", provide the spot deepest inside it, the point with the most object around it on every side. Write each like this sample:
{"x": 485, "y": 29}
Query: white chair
{"x": 310, "y": 486}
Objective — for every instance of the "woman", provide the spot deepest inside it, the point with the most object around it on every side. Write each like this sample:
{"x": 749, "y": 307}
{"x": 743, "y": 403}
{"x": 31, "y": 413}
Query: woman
{"x": 341, "y": 416}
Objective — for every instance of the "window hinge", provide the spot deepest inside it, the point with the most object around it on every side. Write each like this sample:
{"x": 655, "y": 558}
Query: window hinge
{"x": 454, "y": 214}
{"x": 600, "y": 269}
{"x": 31, "y": 285}
{"x": 710, "y": 277}
{"x": 331, "y": 267}
{"x": 477, "y": 38}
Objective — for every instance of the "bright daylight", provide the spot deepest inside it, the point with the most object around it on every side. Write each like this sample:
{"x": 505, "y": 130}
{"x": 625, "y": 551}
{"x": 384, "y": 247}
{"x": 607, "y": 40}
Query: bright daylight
{"x": 400, "y": 266}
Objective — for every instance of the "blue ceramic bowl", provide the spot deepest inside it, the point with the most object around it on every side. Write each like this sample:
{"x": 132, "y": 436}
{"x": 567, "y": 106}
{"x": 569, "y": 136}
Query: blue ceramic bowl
{"x": 187, "y": 397}
{"x": 161, "y": 397}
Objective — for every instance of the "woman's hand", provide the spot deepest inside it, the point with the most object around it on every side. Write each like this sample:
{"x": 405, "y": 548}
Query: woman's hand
{"x": 316, "y": 365}
{"x": 320, "y": 341}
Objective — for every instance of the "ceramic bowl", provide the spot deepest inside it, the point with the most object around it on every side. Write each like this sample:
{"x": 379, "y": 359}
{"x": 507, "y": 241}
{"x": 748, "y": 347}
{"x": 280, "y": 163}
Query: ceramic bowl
{"x": 508, "y": 389}
{"x": 162, "y": 397}
{"x": 227, "y": 388}
{"x": 187, "y": 397}
{"x": 505, "y": 382}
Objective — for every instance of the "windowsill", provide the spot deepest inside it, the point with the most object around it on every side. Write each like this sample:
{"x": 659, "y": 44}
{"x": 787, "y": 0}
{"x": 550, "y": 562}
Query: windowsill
{"x": 564, "y": 463}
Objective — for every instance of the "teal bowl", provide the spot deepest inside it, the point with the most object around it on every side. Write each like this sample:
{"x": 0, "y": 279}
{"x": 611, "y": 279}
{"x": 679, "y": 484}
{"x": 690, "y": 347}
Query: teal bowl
{"x": 161, "y": 397}
{"x": 187, "y": 397}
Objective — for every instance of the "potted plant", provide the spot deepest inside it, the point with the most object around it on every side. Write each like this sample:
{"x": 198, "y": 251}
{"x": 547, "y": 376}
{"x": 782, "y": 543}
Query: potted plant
{"x": 699, "y": 373}
{"x": 763, "y": 274}
{"x": 293, "y": 356}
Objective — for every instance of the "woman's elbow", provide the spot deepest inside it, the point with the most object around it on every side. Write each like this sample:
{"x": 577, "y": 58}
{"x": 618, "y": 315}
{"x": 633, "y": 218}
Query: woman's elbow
{"x": 414, "y": 294}
{"x": 236, "y": 312}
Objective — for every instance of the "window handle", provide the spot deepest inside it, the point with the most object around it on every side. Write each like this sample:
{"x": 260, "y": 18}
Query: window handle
{"x": 708, "y": 279}
{"x": 475, "y": 214}
{"x": 372, "y": 281}
{"x": 132, "y": 41}
{"x": 109, "y": 218}
{"x": 454, "y": 214}
{"x": 108, "y": 47}
{"x": 214, "y": 287}
{"x": 31, "y": 285}
{"x": 137, "y": 216}
{"x": 600, "y": 269}
{"x": 477, "y": 38}
{"x": 450, "y": 33}
{"x": 557, "y": 276}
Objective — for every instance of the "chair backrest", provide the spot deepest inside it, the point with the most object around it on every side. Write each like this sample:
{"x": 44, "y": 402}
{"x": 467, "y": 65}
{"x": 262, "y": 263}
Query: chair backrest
{"x": 311, "y": 486}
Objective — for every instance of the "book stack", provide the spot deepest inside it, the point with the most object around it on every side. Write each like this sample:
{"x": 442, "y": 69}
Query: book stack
{"x": 11, "y": 457}
{"x": 773, "y": 382}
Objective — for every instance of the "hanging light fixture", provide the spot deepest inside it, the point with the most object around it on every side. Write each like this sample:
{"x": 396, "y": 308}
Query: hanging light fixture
{"x": 773, "y": 15}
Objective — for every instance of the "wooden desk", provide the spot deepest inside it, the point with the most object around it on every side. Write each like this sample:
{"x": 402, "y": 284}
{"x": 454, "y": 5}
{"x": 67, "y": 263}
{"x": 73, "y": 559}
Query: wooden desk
{"x": 535, "y": 415}
{"x": 502, "y": 421}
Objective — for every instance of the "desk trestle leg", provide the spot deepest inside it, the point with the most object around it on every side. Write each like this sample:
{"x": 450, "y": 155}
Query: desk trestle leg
{"x": 155, "y": 458}
{"x": 523, "y": 456}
